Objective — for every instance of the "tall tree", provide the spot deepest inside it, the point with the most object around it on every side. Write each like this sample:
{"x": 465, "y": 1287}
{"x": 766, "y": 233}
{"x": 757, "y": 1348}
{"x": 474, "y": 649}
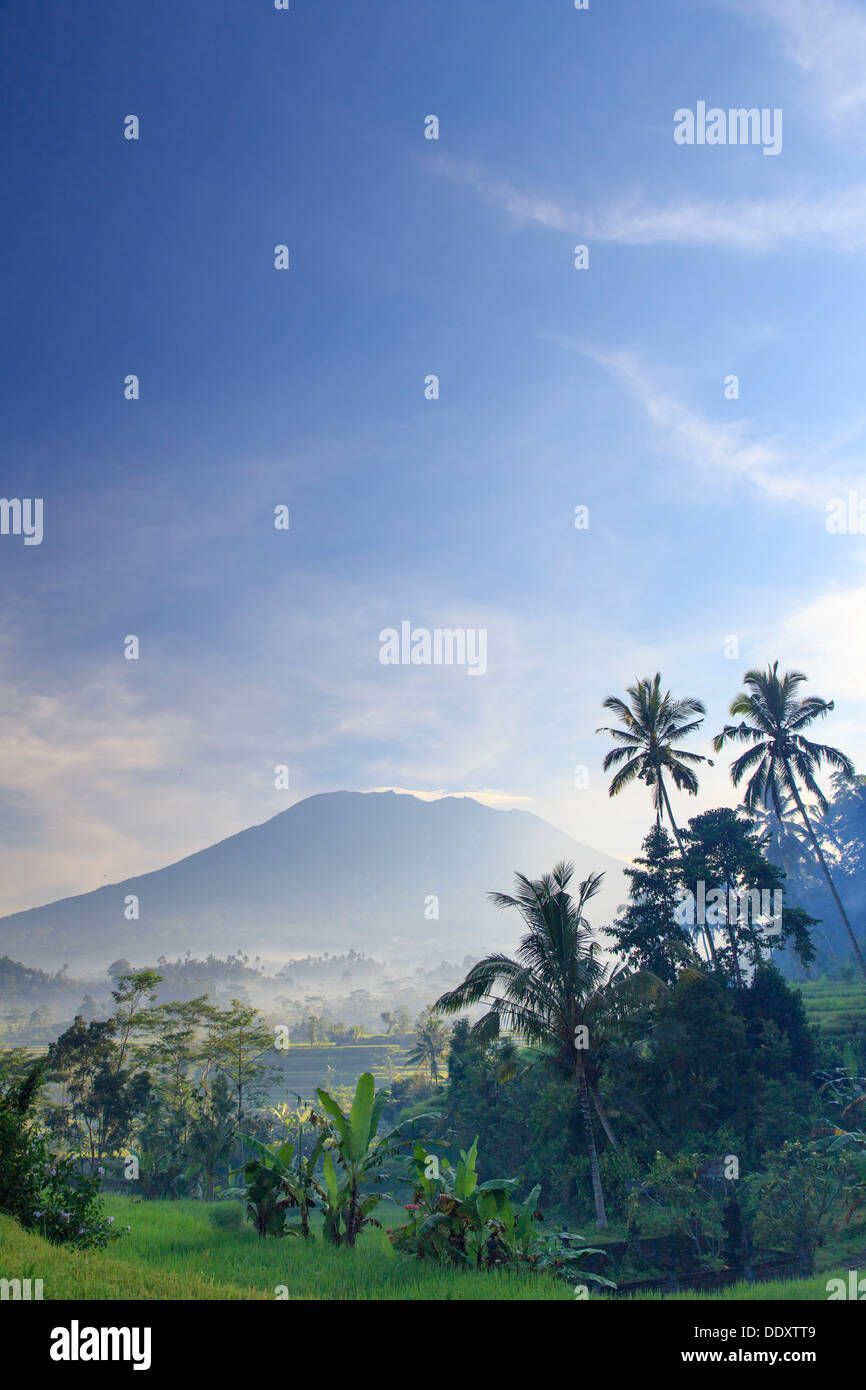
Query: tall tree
{"x": 557, "y": 994}
{"x": 173, "y": 1059}
{"x": 133, "y": 995}
{"x": 780, "y": 758}
{"x": 647, "y": 934}
{"x": 238, "y": 1039}
{"x": 724, "y": 853}
{"x": 650, "y": 725}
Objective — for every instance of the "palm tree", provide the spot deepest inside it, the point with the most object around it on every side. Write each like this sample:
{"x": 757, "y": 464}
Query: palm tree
{"x": 431, "y": 1045}
{"x": 773, "y": 718}
{"x": 781, "y": 835}
{"x": 650, "y": 724}
{"x": 557, "y": 995}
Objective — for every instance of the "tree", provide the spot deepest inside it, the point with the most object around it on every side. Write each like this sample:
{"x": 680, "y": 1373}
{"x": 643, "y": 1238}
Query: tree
{"x": 431, "y": 1045}
{"x": 174, "y": 1060}
{"x": 796, "y": 1196}
{"x": 724, "y": 852}
{"x": 786, "y": 844}
{"x": 648, "y": 935}
{"x": 650, "y": 725}
{"x": 843, "y": 824}
{"x": 238, "y": 1038}
{"x": 132, "y": 994}
{"x": 213, "y": 1126}
{"x": 782, "y": 837}
{"x": 314, "y": 1028}
{"x": 557, "y": 994}
{"x": 281, "y": 1181}
{"x": 402, "y": 1020}
{"x": 781, "y": 757}
{"x": 103, "y": 1098}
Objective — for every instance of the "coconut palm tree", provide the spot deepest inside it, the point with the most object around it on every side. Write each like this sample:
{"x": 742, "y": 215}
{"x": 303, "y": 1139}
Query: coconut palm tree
{"x": 782, "y": 836}
{"x": 431, "y": 1045}
{"x": 557, "y": 994}
{"x": 780, "y": 757}
{"x": 650, "y": 724}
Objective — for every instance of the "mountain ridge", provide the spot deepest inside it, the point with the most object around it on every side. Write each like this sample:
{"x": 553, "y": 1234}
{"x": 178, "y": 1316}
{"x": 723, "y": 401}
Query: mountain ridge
{"x": 336, "y": 869}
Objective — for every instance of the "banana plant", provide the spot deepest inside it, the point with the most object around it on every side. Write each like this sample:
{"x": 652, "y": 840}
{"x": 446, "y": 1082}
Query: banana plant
{"x": 276, "y": 1189}
{"x": 454, "y": 1215}
{"x": 459, "y": 1220}
{"x": 354, "y": 1152}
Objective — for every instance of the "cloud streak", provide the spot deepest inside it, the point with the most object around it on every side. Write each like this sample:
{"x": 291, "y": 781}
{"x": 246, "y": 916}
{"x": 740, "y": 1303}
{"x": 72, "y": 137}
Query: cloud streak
{"x": 826, "y": 40}
{"x": 715, "y": 450}
{"x": 757, "y": 225}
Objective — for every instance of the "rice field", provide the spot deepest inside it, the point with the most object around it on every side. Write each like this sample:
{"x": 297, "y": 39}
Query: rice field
{"x": 175, "y": 1250}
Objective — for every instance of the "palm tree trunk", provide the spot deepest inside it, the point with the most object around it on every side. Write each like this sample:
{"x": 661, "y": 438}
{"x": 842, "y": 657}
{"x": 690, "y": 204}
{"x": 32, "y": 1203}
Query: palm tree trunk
{"x": 823, "y": 862}
{"x": 708, "y": 935}
{"x": 592, "y": 1152}
{"x": 732, "y": 937}
{"x": 602, "y": 1115}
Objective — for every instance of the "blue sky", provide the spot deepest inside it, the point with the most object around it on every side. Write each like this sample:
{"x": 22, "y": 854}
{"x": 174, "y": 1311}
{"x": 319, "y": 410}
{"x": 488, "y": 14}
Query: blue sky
{"x": 305, "y": 387}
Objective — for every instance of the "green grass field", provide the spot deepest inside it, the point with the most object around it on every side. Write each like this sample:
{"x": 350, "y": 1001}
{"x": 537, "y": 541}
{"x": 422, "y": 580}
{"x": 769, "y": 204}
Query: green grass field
{"x": 99, "y": 1274}
{"x": 304, "y": 1068}
{"x": 174, "y": 1251}
{"x": 838, "y": 1011}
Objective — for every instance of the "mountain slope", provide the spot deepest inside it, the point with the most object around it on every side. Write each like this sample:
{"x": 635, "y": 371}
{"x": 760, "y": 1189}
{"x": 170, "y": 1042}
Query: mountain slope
{"x": 337, "y": 870}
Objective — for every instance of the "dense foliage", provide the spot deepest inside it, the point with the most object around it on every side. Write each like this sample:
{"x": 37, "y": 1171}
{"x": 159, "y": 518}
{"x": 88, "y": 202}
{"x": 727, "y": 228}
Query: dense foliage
{"x": 43, "y": 1190}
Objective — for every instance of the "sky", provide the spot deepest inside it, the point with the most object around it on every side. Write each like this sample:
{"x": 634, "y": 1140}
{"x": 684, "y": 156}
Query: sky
{"x": 308, "y": 388}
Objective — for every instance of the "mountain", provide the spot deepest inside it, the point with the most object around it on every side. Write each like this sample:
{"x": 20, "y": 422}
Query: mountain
{"x": 337, "y": 870}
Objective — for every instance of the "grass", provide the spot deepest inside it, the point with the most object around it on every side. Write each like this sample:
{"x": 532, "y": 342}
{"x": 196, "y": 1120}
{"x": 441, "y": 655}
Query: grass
{"x": 812, "y": 1290}
{"x": 98, "y": 1274}
{"x": 303, "y": 1067}
{"x": 838, "y": 1011}
{"x": 178, "y": 1239}
{"x": 174, "y": 1251}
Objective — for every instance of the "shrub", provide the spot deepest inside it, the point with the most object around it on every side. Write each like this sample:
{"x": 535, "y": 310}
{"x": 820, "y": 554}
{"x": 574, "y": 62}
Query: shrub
{"x": 795, "y": 1198}
{"x": 226, "y": 1216}
{"x": 43, "y": 1192}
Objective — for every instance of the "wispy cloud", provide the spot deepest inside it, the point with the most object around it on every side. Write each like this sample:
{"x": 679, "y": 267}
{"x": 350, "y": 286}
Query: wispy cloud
{"x": 716, "y": 450}
{"x": 827, "y": 40}
{"x": 759, "y": 224}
